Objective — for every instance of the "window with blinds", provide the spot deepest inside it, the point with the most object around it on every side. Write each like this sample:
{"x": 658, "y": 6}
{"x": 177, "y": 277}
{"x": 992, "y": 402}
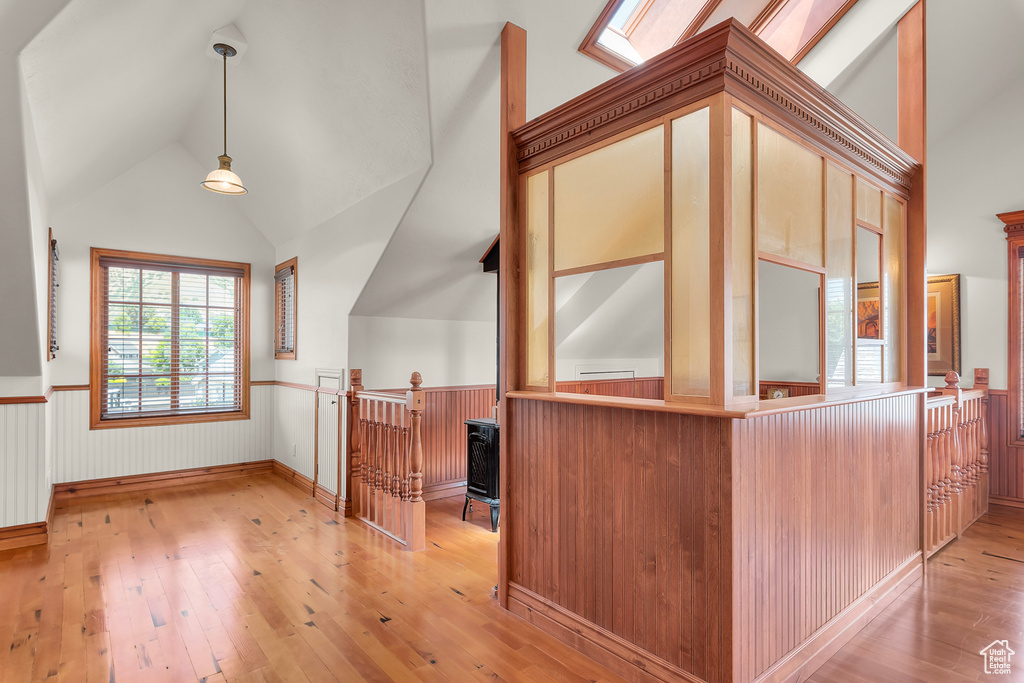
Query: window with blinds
{"x": 285, "y": 293}
{"x": 169, "y": 339}
{"x": 51, "y": 313}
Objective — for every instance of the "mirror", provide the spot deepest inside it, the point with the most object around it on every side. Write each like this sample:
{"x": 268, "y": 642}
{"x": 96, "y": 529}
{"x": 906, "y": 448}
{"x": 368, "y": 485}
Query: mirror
{"x": 788, "y": 315}
{"x": 869, "y": 320}
{"x": 610, "y": 332}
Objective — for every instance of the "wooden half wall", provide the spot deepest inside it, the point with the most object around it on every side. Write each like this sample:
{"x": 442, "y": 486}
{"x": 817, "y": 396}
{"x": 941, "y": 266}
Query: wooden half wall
{"x": 705, "y": 548}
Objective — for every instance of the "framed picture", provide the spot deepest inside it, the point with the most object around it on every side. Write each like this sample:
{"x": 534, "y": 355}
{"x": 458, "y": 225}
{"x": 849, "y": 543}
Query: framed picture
{"x": 943, "y": 324}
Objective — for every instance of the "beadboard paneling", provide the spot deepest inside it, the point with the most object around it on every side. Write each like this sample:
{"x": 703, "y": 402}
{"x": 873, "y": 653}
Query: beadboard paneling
{"x": 293, "y": 431}
{"x": 327, "y": 433}
{"x": 81, "y": 454}
{"x": 24, "y": 495}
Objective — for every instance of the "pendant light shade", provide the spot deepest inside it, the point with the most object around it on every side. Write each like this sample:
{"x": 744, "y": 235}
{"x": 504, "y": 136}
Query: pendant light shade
{"x": 222, "y": 179}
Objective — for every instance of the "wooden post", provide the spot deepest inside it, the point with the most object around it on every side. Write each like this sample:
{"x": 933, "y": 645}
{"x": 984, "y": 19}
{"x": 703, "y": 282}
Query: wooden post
{"x": 512, "y": 92}
{"x": 415, "y": 509}
{"x": 355, "y": 444}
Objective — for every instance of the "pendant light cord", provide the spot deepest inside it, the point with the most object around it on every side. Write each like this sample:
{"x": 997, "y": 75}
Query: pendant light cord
{"x": 225, "y": 56}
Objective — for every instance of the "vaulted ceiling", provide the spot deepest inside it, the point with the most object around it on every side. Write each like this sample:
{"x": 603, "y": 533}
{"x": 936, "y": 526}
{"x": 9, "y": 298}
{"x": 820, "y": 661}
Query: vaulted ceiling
{"x": 327, "y": 105}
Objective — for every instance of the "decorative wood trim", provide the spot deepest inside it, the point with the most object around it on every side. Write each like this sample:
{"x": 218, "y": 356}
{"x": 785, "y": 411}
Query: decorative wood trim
{"x": 799, "y": 663}
{"x": 619, "y": 655}
{"x": 262, "y": 382}
{"x": 137, "y": 482}
{"x": 607, "y": 265}
{"x": 14, "y": 400}
{"x": 294, "y": 477}
{"x": 1015, "y": 503}
{"x": 295, "y": 385}
{"x": 1014, "y": 229}
{"x": 698, "y": 21}
{"x": 727, "y": 57}
{"x": 23, "y": 536}
{"x": 820, "y": 33}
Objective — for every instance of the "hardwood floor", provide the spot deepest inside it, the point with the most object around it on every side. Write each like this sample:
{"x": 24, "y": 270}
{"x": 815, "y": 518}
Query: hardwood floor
{"x": 247, "y": 580}
{"x": 972, "y": 595}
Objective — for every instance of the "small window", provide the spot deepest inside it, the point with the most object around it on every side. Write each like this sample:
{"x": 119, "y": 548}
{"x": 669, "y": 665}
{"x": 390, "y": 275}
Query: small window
{"x": 169, "y": 339}
{"x": 51, "y": 315}
{"x": 285, "y": 322}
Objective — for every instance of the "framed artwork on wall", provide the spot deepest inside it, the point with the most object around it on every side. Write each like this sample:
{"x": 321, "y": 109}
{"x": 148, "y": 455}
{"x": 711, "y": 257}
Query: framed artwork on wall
{"x": 943, "y": 324}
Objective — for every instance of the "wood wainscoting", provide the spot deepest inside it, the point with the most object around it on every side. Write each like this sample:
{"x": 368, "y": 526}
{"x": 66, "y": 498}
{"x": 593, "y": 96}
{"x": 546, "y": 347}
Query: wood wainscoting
{"x": 709, "y": 548}
{"x": 639, "y": 387}
{"x": 445, "y": 413}
{"x": 1006, "y": 461}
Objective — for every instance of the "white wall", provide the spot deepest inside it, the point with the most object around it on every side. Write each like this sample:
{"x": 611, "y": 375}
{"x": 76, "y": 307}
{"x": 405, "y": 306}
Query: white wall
{"x": 445, "y": 352}
{"x": 973, "y": 174}
{"x": 335, "y": 260}
{"x": 158, "y": 207}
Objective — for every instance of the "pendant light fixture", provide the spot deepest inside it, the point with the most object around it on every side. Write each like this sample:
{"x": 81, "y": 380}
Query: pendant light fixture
{"x": 223, "y": 180}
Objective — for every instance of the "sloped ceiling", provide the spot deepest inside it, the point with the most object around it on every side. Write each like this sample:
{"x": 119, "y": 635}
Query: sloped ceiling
{"x": 327, "y": 106}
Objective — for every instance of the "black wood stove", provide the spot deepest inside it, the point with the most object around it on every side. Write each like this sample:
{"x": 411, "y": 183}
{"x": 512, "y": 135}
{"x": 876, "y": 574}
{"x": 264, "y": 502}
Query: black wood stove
{"x": 482, "y": 466}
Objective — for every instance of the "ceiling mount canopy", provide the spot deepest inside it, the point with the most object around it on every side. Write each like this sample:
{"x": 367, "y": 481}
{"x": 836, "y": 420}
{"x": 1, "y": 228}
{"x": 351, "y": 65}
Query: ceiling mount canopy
{"x": 223, "y": 180}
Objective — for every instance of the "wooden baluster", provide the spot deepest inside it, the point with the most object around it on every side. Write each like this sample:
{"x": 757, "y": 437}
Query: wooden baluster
{"x": 355, "y": 424}
{"x": 370, "y": 457}
{"x": 981, "y": 382}
{"x": 416, "y": 538}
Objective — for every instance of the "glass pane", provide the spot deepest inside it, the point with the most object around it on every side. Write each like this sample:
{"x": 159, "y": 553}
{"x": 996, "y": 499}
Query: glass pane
{"x": 156, "y": 393}
{"x": 610, "y": 330}
{"x": 122, "y": 356}
{"x": 839, "y": 280}
{"x": 869, "y": 204}
{"x": 222, "y": 324}
{"x": 192, "y": 322}
{"x": 869, "y": 321}
{"x": 610, "y": 203}
{"x": 222, "y": 391}
{"x": 788, "y": 334}
{"x": 192, "y": 357}
{"x": 156, "y": 357}
{"x": 742, "y": 256}
{"x": 122, "y": 394}
{"x": 122, "y": 284}
{"x": 691, "y": 222}
{"x": 156, "y": 321}
{"x": 892, "y": 243}
{"x": 122, "y": 320}
{"x": 192, "y": 393}
{"x": 222, "y": 357}
{"x": 537, "y": 280}
{"x": 222, "y": 291}
{"x": 193, "y": 289}
{"x": 789, "y": 211}
{"x": 156, "y": 286}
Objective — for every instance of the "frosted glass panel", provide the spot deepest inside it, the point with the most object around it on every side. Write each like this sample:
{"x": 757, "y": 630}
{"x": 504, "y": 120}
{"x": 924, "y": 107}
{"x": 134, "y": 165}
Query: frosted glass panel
{"x": 537, "y": 280}
{"x": 788, "y": 310}
{"x": 610, "y": 203}
{"x": 869, "y": 204}
{"x": 892, "y": 244}
{"x": 691, "y": 299}
{"x": 742, "y": 256}
{"x": 789, "y": 202}
{"x": 870, "y": 330}
{"x": 839, "y": 281}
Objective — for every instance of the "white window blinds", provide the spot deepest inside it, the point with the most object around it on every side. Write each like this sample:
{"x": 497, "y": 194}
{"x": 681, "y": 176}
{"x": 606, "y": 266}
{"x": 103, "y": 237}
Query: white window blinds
{"x": 171, "y": 339}
{"x": 284, "y": 313}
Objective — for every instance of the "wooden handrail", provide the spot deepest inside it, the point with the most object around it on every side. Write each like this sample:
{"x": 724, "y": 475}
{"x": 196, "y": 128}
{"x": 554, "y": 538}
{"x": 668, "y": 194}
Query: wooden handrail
{"x": 387, "y": 460}
{"x": 956, "y": 460}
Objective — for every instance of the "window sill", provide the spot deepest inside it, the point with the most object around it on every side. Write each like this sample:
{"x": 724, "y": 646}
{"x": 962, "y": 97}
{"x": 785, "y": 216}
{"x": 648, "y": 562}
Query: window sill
{"x": 165, "y": 420}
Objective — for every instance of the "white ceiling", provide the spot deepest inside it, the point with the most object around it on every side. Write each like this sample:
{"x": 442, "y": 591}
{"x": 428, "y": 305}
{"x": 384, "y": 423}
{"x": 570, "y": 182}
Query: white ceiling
{"x": 328, "y": 105}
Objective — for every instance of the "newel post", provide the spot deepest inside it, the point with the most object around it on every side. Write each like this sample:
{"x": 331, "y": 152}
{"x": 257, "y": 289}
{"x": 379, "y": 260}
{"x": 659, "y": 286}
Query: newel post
{"x": 355, "y": 441}
{"x": 416, "y": 538}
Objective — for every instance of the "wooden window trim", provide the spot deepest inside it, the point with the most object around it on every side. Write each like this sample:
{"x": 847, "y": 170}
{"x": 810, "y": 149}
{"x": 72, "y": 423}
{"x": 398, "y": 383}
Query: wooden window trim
{"x": 97, "y": 298}
{"x": 1014, "y": 227}
{"x": 292, "y": 263}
